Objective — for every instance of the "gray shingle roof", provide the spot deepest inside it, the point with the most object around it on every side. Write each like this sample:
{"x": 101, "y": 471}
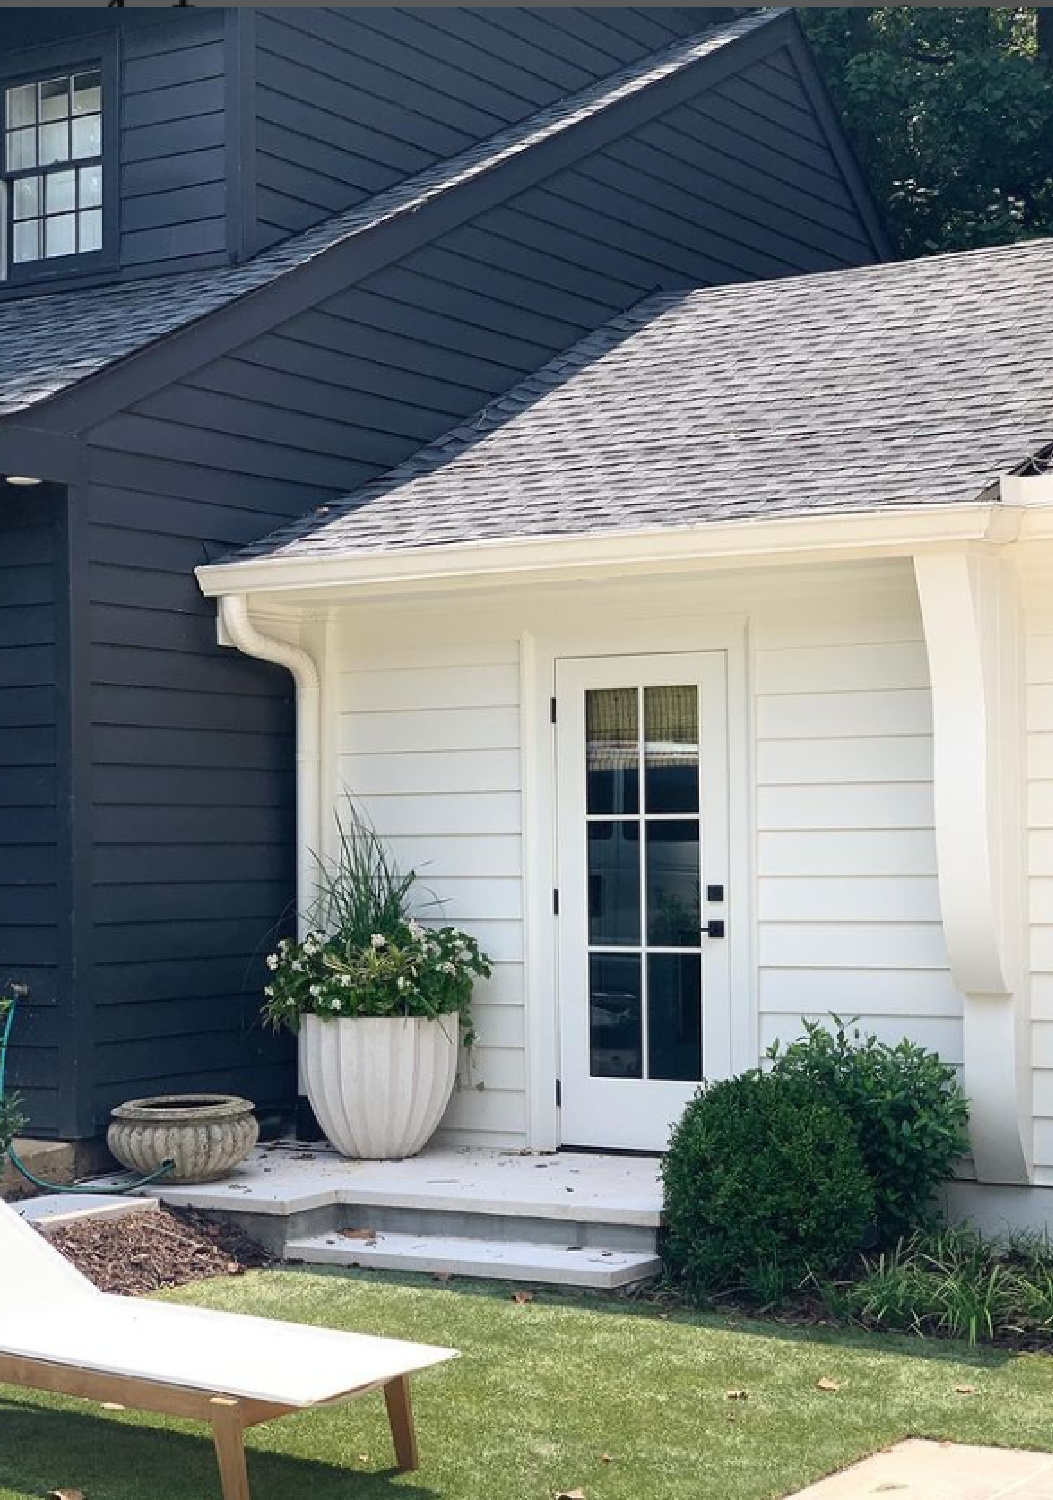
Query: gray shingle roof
{"x": 912, "y": 383}
{"x": 50, "y": 343}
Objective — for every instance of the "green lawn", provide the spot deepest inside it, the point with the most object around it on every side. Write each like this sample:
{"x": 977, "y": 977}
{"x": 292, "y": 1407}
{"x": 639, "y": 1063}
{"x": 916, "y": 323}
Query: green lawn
{"x": 541, "y": 1393}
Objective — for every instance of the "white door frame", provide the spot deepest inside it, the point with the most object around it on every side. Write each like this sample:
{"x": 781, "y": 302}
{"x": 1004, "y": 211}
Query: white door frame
{"x": 538, "y": 657}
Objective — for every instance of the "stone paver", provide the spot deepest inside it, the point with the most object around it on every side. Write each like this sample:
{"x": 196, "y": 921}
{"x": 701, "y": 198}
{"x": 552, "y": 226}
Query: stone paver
{"x": 920, "y": 1470}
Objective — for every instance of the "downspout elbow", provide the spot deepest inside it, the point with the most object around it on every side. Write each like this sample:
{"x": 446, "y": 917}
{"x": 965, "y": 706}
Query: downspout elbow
{"x": 242, "y": 633}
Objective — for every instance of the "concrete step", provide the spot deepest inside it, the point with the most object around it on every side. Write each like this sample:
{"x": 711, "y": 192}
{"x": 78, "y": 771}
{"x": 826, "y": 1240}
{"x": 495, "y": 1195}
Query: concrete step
{"x": 500, "y": 1260}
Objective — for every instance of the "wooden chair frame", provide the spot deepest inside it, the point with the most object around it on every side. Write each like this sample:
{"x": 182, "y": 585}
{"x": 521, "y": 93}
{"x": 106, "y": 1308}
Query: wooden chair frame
{"x": 228, "y": 1416}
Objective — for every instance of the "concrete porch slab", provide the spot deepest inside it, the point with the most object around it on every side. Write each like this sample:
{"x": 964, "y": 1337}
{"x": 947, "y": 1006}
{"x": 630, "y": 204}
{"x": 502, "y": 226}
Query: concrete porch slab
{"x": 921, "y": 1470}
{"x": 286, "y": 1178}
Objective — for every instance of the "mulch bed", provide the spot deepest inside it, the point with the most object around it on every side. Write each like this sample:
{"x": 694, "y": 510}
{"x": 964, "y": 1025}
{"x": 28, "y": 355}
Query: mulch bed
{"x": 144, "y": 1252}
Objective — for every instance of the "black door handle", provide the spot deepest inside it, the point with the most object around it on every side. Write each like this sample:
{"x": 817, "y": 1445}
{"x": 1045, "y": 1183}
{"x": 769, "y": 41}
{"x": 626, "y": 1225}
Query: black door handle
{"x": 714, "y": 929}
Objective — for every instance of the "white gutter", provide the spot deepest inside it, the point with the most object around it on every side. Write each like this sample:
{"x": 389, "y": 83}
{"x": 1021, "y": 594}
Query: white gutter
{"x": 234, "y": 614}
{"x": 899, "y": 530}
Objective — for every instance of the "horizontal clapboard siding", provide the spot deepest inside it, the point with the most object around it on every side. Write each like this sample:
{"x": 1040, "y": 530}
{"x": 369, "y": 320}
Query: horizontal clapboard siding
{"x": 428, "y": 746}
{"x": 847, "y": 902}
{"x": 1039, "y": 721}
{"x": 348, "y": 102}
{"x": 173, "y": 197}
{"x": 32, "y": 935}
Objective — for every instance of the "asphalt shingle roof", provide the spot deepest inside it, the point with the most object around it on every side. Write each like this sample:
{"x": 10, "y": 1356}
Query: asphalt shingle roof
{"x": 899, "y": 384}
{"x": 49, "y": 343}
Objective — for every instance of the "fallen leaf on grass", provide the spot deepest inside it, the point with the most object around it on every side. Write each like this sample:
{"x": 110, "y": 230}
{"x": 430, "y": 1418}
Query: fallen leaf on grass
{"x": 965, "y": 1390}
{"x": 605, "y": 1458}
{"x": 65, "y": 1495}
{"x": 363, "y": 1458}
{"x": 736, "y": 1395}
{"x": 571, "y": 1495}
{"x": 826, "y": 1384}
{"x": 112, "y": 1406}
{"x": 520, "y": 1297}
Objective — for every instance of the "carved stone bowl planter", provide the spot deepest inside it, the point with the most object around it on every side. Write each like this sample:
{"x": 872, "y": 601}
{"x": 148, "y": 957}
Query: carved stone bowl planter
{"x": 379, "y": 1085}
{"x": 205, "y": 1135}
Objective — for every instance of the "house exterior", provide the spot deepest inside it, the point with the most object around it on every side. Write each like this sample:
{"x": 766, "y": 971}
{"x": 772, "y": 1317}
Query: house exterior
{"x": 252, "y": 260}
{"x": 707, "y": 678}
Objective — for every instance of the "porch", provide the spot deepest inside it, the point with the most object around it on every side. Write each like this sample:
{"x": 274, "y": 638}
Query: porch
{"x": 563, "y": 1219}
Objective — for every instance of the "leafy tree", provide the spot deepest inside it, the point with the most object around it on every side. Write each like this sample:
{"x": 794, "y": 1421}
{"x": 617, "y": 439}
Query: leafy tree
{"x": 951, "y": 112}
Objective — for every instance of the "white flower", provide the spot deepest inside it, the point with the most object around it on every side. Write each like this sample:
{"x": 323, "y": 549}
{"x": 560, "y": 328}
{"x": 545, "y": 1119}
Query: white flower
{"x": 402, "y": 982}
{"x": 272, "y": 961}
{"x": 297, "y": 965}
{"x": 346, "y": 980}
{"x": 268, "y": 990}
{"x": 416, "y": 930}
{"x": 449, "y": 968}
{"x": 315, "y": 990}
{"x": 378, "y": 941}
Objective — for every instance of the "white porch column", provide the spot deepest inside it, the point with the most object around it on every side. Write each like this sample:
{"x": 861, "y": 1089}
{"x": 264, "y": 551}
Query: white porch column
{"x": 970, "y": 613}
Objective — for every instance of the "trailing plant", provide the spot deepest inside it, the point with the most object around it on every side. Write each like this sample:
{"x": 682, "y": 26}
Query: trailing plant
{"x": 11, "y": 1117}
{"x": 763, "y": 1180}
{"x": 367, "y": 954}
{"x": 909, "y": 1113}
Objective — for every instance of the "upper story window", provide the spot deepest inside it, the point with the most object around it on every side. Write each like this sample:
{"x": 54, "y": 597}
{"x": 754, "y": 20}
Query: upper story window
{"x": 52, "y": 167}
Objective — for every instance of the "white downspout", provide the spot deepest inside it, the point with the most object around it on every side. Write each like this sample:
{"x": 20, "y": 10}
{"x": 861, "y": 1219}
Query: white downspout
{"x": 234, "y": 614}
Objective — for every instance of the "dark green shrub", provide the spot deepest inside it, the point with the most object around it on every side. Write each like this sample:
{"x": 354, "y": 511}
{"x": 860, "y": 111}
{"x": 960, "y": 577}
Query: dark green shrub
{"x": 763, "y": 1182}
{"x": 908, "y": 1109}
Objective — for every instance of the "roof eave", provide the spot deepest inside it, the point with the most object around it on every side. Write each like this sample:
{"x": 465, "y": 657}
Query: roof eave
{"x": 900, "y": 530}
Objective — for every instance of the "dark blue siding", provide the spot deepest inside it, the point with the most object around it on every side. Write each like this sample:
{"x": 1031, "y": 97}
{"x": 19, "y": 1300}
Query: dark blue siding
{"x": 173, "y": 156}
{"x": 349, "y": 101}
{"x": 32, "y": 939}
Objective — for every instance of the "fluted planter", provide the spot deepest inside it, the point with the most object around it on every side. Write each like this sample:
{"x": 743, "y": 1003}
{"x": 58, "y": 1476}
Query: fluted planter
{"x": 379, "y": 1085}
{"x": 205, "y": 1135}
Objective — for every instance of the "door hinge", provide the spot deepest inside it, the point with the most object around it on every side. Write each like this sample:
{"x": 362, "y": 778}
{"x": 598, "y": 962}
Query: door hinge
{"x": 555, "y": 902}
{"x": 559, "y": 1093}
{"x": 552, "y": 709}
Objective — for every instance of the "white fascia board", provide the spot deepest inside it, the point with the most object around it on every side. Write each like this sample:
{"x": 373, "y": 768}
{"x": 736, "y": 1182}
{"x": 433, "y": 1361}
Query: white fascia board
{"x": 842, "y": 535}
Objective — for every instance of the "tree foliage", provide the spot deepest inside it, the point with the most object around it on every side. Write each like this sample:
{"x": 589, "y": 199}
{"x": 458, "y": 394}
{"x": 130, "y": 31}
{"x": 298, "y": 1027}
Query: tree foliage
{"x": 950, "y": 109}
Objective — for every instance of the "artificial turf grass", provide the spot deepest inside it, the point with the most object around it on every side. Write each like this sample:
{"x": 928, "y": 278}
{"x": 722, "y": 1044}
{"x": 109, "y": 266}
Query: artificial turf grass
{"x": 542, "y": 1392}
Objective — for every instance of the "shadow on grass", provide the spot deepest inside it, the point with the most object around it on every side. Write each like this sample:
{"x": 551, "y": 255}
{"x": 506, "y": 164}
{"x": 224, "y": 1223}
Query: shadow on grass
{"x": 826, "y": 1335}
{"x": 44, "y": 1449}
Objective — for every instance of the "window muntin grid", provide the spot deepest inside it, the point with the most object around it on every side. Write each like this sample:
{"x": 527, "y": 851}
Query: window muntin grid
{"x": 53, "y": 167}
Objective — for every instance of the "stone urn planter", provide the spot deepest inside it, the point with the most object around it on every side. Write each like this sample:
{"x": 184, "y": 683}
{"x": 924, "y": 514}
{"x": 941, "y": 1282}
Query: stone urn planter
{"x": 379, "y": 1085}
{"x": 205, "y": 1135}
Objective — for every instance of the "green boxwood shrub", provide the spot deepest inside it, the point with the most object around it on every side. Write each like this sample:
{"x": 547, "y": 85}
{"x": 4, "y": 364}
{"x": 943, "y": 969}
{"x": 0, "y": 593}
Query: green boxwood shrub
{"x": 909, "y": 1113}
{"x": 764, "y": 1181}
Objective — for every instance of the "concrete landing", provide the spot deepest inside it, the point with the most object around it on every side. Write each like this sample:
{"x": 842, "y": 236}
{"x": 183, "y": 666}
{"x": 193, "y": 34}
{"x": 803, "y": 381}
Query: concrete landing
{"x": 920, "y": 1470}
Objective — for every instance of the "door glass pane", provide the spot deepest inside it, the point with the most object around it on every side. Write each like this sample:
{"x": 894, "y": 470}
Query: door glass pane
{"x": 615, "y": 1015}
{"x": 614, "y": 883}
{"x": 674, "y": 914}
{"x": 674, "y": 1016}
{"x": 612, "y": 754}
{"x": 671, "y": 749}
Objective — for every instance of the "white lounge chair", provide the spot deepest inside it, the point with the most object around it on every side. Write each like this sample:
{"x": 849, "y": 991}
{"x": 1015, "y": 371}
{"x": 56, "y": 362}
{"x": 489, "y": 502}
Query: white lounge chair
{"x": 59, "y": 1333}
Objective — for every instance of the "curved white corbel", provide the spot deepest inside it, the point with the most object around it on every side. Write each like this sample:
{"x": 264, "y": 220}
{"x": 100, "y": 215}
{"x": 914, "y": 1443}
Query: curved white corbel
{"x": 968, "y": 608}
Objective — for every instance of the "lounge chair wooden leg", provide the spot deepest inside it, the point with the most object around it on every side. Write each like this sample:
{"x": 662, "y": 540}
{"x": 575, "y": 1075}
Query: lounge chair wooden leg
{"x": 400, "y": 1415}
{"x": 228, "y": 1434}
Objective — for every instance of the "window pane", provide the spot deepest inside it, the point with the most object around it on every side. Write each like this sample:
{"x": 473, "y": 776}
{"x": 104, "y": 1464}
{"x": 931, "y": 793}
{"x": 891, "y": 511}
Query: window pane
{"x": 671, "y": 749}
{"x": 90, "y": 186}
{"x": 611, "y": 751}
{"x": 87, "y": 136}
{"x": 90, "y": 229}
{"x": 22, "y": 105}
{"x": 54, "y": 99}
{"x": 21, "y": 149}
{"x": 615, "y": 1016}
{"x": 614, "y": 883}
{"x": 54, "y": 143}
{"x": 674, "y": 916}
{"x": 60, "y": 193}
{"x": 60, "y": 236}
{"x": 26, "y": 191}
{"x": 87, "y": 93}
{"x": 674, "y": 1016}
{"x": 26, "y": 241}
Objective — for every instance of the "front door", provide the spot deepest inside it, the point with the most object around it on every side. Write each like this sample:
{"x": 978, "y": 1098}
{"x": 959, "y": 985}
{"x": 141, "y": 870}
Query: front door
{"x": 642, "y": 883}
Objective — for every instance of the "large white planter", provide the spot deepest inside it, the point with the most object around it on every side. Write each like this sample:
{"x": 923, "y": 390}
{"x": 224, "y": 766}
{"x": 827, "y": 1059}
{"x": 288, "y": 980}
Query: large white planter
{"x": 379, "y": 1085}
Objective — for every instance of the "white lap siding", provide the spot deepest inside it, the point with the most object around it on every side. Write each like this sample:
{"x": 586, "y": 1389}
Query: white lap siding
{"x": 428, "y": 744}
{"x": 847, "y": 900}
{"x": 1040, "y": 870}
{"x": 426, "y": 733}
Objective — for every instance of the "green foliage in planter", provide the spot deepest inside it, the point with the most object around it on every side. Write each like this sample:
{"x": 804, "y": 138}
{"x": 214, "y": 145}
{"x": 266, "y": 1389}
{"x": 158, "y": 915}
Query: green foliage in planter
{"x": 763, "y": 1181}
{"x": 367, "y": 954}
{"x": 11, "y": 1118}
{"x": 909, "y": 1113}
